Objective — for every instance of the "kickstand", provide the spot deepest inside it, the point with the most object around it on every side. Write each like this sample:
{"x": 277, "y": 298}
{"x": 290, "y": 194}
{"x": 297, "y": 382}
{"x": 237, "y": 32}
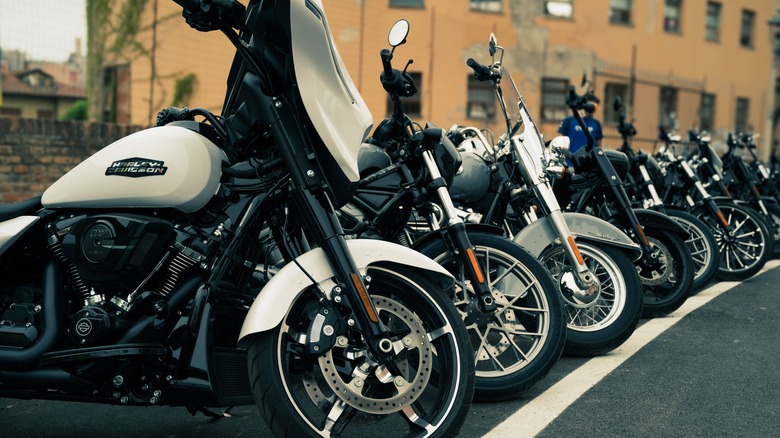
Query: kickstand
{"x": 193, "y": 410}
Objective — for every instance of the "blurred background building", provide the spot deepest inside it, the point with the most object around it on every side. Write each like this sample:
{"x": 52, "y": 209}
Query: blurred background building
{"x": 700, "y": 64}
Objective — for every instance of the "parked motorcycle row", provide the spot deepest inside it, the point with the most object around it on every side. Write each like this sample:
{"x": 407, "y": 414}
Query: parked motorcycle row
{"x": 271, "y": 256}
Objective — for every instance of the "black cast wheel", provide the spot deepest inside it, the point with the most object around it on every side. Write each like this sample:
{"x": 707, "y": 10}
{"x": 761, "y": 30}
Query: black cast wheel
{"x": 426, "y": 389}
{"x": 666, "y": 274}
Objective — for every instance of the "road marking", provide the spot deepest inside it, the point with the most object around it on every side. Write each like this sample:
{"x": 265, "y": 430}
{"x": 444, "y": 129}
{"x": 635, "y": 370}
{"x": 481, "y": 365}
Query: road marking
{"x": 544, "y": 408}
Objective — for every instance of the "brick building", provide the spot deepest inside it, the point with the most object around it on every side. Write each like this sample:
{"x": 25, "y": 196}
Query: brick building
{"x": 707, "y": 63}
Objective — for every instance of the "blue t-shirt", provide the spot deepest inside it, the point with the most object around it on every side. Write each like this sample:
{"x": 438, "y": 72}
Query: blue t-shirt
{"x": 577, "y": 139}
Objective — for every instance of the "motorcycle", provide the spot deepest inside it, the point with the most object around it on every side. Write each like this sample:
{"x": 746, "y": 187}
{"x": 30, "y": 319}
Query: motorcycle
{"x": 142, "y": 276}
{"x": 508, "y": 301}
{"x": 642, "y": 192}
{"x": 665, "y": 267}
{"x": 508, "y": 186}
{"x": 743, "y": 238}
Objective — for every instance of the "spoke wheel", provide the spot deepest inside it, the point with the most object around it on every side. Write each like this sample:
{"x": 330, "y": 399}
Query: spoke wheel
{"x": 702, "y": 245}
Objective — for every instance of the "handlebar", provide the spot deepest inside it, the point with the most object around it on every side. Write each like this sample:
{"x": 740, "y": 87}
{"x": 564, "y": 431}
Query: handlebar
{"x": 481, "y": 72}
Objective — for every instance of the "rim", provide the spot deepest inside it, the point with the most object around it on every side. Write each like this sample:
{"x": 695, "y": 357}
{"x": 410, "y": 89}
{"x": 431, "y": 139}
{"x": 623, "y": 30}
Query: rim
{"x": 346, "y": 392}
{"x": 742, "y": 248}
{"x": 608, "y": 307}
{"x": 521, "y": 327}
{"x": 698, "y": 245}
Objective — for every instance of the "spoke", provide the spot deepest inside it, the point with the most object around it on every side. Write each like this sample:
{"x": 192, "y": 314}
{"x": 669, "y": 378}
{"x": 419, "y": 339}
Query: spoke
{"x": 411, "y": 415}
{"x": 439, "y": 332}
{"x": 746, "y": 254}
{"x": 504, "y": 274}
{"x": 338, "y": 409}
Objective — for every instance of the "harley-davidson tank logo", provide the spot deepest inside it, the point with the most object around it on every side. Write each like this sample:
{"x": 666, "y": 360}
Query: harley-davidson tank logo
{"x": 137, "y": 167}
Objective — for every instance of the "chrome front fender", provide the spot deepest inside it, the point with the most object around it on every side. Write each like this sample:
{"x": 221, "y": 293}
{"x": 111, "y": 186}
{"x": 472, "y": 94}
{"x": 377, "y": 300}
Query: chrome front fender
{"x": 277, "y": 297}
{"x": 540, "y": 234}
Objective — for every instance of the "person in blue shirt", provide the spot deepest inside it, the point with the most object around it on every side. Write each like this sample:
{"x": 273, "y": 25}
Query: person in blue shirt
{"x": 570, "y": 128}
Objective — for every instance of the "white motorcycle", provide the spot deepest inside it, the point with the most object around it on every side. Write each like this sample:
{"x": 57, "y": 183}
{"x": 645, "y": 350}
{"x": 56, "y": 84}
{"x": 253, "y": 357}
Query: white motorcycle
{"x": 144, "y": 275}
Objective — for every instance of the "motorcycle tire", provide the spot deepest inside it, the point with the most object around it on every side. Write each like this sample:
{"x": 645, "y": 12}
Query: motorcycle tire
{"x": 746, "y": 252}
{"x": 526, "y": 336}
{"x": 702, "y": 246}
{"x": 668, "y": 284}
{"x": 426, "y": 389}
{"x": 773, "y": 221}
{"x": 599, "y": 327}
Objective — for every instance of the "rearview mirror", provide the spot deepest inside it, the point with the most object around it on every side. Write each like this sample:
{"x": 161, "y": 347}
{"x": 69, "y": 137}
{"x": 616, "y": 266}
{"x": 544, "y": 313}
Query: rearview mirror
{"x": 492, "y": 45}
{"x": 398, "y": 33}
{"x": 618, "y": 104}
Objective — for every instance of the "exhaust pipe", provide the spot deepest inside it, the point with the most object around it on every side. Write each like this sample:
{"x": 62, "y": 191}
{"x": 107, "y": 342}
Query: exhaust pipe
{"x": 14, "y": 359}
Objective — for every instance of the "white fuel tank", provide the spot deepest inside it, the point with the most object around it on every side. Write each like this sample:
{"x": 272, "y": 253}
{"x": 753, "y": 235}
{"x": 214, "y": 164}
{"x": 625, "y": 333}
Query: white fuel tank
{"x": 162, "y": 167}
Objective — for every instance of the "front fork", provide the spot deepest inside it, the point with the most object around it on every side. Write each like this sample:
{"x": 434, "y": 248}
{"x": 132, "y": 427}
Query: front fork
{"x": 456, "y": 230}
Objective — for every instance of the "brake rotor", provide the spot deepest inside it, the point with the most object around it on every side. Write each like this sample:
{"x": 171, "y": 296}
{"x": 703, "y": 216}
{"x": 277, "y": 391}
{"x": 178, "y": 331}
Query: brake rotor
{"x": 665, "y": 261}
{"x": 377, "y": 389}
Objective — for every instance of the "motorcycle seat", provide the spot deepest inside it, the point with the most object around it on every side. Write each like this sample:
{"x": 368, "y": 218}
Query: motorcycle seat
{"x": 10, "y": 211}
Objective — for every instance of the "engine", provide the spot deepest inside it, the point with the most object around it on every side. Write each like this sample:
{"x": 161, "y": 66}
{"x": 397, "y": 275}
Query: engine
{"x": 120, "y": 267}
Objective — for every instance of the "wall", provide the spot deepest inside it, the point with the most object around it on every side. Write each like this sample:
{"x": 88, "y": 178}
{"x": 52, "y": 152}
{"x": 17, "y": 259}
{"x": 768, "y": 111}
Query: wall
{"x": 34, "y": 153}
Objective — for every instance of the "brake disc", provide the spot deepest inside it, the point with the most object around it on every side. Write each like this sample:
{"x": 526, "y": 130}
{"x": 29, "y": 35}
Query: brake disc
{"x": 665, "y": 261}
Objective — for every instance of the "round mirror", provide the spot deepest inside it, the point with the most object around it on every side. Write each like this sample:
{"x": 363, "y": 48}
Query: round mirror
{"x": 398, "y": 33}
{"x": 617, "y": 105}
{"x": 492, "y": 44}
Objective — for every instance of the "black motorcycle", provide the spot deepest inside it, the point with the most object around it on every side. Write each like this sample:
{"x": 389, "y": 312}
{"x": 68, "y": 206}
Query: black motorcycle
{"x": 508, "y": 185}
{"x": 665, "y": 268}
{"x": 642, "y": 192}
{"x": 507, "y": 299}
{"x": 744, "y": 241}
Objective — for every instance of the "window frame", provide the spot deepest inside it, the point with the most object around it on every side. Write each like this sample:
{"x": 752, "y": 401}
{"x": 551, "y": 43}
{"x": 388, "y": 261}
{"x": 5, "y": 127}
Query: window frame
{"x": 707, "y": 114}
{"x": 718, "y": 8}
{"x": 547, "y": 107}
{"x": 570, "y": 16}
{"x": 489, "y": 104}
{"x": 750, "y": 43}
{"x": 673, "y": 5}
{"x": 741, "y": 114}
{"x": 628, "y": 20}
{"x": 488, "y": 6}
{"x": 411, "y": 4}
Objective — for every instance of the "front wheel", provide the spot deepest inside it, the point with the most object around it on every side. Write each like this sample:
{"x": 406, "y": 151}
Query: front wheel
{"x": 524, "y": 339}
{"x": 602, "y": 325}
{"x": 666, "y": 275}
{"x": 702, "y": 245}
{"x": 426, "y": 389}
{"x": 744, "y": 247}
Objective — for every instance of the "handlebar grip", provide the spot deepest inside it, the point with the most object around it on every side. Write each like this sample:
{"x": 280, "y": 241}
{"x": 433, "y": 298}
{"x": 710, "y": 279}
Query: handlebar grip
{"x": 481, "y": 72}
{"x": 387, "y": 64}
{"x": 588, "y": 106}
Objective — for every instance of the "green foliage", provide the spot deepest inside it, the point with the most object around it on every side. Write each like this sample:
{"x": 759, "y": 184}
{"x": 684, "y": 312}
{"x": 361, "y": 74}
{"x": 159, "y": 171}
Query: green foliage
{"x": 77, "y": 111}
{"x": 183, "y": 89}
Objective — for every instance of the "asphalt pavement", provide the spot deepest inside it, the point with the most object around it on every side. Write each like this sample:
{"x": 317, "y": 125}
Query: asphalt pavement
{"x": 711, "y": 372}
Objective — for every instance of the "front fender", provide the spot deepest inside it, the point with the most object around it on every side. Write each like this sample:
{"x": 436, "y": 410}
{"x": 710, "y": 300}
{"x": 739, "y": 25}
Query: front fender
{"x": 654, "y": 219}
{"x": 277, "y": 297}
{"x": 540, "y": 234}
{"x": 470, "y": 227}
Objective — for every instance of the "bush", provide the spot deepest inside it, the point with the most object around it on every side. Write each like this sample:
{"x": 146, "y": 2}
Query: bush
{"x": 77, "y": 111}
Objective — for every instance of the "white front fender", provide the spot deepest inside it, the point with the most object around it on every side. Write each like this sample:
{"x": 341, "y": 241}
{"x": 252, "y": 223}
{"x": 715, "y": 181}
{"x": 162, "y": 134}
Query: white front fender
{"x": 277, "y": 297}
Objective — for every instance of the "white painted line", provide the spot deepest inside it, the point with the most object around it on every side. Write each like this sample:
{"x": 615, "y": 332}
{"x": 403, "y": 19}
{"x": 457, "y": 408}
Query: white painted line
{"x": 544, "y": 408}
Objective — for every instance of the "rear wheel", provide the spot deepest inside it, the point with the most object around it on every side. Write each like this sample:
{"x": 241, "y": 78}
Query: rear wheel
{"x": 425, "y": 389}
{"x": 601, "y": 326}
{"x": 523, "y": 341}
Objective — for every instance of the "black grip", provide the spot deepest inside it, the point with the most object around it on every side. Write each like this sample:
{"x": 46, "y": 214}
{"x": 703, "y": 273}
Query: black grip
{"x": 387, "y": 64}
{"x": 481, "y": 72}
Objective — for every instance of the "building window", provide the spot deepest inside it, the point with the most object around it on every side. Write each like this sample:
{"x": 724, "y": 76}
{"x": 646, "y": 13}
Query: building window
{"x": 712, "y": 31}
{"x": 612, "y": 90}
{"x": 413, "y": 104}
{"x": 558, "y": 9}
{"x": 620, "y": 11}
{"x": 407, "y": 4}
{"x": 481, "y": 104}
{"x": 667, "y": 106}
{"x": 554, "y": 107}
{"x": 746, "y": 29}
{"x": 742, "y": 114}
{"x": 707, "y": 111}
{"x": 486, "y": 5}
{"x": 672, "y": 16}
{"x": 10, "y": 112}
